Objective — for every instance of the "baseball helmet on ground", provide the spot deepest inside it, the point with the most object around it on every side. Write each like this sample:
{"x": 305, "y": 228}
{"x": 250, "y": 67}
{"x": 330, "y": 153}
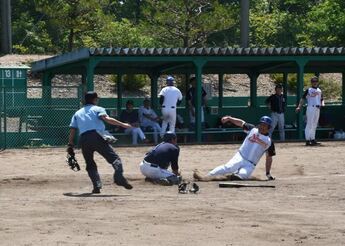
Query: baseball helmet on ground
{"x": 266, "y": 120}
{"x": 168, "y": 136}
{"x": 170, "y": 80}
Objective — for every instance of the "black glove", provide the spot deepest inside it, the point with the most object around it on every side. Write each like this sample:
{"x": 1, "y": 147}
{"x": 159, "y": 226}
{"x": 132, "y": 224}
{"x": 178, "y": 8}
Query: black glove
{"x": 270, "y": 177}
{"x": 70, "y": 150}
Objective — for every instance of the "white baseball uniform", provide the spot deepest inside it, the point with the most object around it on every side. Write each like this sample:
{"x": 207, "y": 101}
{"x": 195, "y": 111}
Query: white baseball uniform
{"x": 314, "y": 100}
{"x": 244, "y": 161}
{"x": 171, "y": 96}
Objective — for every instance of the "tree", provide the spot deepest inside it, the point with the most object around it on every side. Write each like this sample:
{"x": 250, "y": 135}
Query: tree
{"x": 185, "y": 23}
{"x": 73, "y": 20}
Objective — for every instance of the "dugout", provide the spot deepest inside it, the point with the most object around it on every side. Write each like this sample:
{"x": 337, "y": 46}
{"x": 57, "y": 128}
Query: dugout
{"x": 160, "y": 61}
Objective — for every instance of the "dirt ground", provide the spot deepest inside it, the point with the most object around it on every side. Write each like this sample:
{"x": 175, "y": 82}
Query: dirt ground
{"x": 43, "y": 202}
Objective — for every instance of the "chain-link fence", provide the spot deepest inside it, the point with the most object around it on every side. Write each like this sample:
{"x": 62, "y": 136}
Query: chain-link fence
{"x": 36, "y": 116}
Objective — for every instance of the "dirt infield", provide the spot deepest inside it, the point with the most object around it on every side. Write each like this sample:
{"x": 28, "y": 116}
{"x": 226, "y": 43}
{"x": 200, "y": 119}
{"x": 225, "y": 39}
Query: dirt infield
{"x": 42, "y": 202}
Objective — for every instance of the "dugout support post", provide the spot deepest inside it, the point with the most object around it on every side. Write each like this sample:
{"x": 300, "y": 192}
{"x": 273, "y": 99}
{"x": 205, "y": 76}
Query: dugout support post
{"x": 220, "y": 90}
{"x": 198, "y": 63}
{"x": 300, "y": 85}
{"x": 253, "y": 88}
{"x": 154, "y": 90}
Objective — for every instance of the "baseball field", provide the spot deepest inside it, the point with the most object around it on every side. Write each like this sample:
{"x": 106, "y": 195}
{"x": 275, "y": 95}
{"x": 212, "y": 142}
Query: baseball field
{"x": 43, "y": 202}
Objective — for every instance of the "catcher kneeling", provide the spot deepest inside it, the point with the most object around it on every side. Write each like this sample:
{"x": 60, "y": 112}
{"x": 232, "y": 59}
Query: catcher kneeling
{"x": 243, "y": 163}
{"x": 157, "y": 161}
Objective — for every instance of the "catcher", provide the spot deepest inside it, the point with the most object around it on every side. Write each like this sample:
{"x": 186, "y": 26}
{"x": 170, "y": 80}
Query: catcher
{"x": 157, "y": 161}
{"x": 93, "y": 138}
{"x": 242, "y": 165}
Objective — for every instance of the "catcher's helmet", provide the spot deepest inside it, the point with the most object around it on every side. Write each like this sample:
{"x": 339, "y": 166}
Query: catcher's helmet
{"x": 168, "y": 136}
{"x": 266, "y": 120}
{"x": 170, "y": 80}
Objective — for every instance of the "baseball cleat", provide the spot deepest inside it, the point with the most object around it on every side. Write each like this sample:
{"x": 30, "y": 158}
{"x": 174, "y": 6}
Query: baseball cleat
{"x": 122, "y": 181}
{"x": 96, "y": 190}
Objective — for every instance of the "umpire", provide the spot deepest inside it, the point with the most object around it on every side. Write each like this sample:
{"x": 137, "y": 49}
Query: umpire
{"x": 276, "y": 102}
{"x": 89, "y": 121}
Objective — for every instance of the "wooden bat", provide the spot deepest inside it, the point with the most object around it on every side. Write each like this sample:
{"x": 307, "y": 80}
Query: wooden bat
{"x": 239, "y": 185}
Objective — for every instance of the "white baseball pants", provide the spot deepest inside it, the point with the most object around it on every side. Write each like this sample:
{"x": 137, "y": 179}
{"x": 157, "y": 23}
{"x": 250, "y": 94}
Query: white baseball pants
{"x": 154, "y": 172}
{"x": 278, "y": 119}
{"x": 236, "y": 165}
{"x": 192, "y": 118}
{"x": 169, "y": 117}
{"x": 313, "y": 114}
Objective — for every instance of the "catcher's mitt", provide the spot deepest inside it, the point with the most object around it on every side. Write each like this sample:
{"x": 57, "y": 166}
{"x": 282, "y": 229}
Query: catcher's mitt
{"x": 72, "y": 162}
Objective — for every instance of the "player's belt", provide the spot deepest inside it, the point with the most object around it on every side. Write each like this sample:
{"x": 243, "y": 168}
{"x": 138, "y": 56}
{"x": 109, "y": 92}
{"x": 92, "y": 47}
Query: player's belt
{"x": 171, "y": 106}
{"x": 246, "y": 159}
{"x": 316, "y": 106}
{"x": 151, "y": 164}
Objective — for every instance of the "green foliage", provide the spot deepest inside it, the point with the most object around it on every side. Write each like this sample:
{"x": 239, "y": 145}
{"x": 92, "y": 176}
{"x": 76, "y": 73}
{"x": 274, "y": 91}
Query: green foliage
{"x": 179, "y": 23}
{"x": 292, "y": 81}
{"x": 132, "y": 82}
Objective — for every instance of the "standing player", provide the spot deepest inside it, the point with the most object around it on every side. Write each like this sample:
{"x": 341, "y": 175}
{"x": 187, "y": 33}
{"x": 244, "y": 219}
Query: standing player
{"x": 242, "y": 165}
{"x": 314, "y": 98}
{"x": 170, "y": 97}
{"x": 191, "y": 100}
{"x": 89, "y": 121}
{"x": 157, "y": 161}
{"x": 276, "y": 103}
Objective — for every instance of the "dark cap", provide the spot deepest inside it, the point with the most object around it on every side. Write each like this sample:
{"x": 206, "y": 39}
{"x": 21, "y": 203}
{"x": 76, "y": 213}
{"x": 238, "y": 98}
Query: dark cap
{"x": 168, "y": 136}
{"x": 314, "y": 79}
{"x": 279, "y": 86}
{"x": 90, "y": 96}
{"x": 130, "y": 102}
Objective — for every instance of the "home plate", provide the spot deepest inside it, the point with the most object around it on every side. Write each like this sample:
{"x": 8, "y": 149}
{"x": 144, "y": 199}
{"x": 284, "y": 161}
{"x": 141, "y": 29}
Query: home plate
{"x": 239, "y": 185}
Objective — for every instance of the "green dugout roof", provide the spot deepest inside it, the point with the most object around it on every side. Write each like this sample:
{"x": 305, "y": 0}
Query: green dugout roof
{"x": 157, "y": 61}
{"x": 180, "y": 60}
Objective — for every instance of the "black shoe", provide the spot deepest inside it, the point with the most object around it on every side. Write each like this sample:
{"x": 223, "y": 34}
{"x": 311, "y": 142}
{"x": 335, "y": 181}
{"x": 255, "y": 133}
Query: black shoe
{"x": 308, "y": 143}
{"x": 314, "y": 143}
{"x": 122, "y": 181}
{"x": 96, "y": 190}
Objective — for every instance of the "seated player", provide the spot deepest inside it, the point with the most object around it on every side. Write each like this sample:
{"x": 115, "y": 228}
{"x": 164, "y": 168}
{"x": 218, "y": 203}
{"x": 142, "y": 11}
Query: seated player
{"x": 131, "y": 116}
{"x": 157, "y": 161}
{"x": 149, "y": 119}
{"x": 243, "y": 163}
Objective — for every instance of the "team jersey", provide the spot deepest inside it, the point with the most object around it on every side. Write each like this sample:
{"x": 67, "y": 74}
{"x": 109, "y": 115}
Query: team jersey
{"x": 255, "y": 144}
{"x": 171, "y": 96}
{"x": 191, "y": 95}
{"x": 313, "y": 96}
{"x": 88, "y": 118}
{"x": 164, "y": 154}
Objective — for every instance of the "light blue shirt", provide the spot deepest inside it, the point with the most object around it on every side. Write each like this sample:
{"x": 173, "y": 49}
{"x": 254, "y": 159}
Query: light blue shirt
{"x": 88, "y": 118}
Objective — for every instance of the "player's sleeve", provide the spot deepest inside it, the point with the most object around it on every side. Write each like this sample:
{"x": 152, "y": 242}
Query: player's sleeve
{"x": 174, "y": 160}
{"x": 305, "y": 94}
{"x": 271, "y": 150}
{"x": 162, "y": 92}
{"x": 180, "y": 96}
{"x": 74, "y": 123}
{"x": 101, "y": 112}
{"x": 247, "y": 127}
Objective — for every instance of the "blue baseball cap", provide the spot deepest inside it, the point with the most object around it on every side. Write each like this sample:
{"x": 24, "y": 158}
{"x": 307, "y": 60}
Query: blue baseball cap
{"x": 266, "y": 120}
{"x": 170, "y": 80}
